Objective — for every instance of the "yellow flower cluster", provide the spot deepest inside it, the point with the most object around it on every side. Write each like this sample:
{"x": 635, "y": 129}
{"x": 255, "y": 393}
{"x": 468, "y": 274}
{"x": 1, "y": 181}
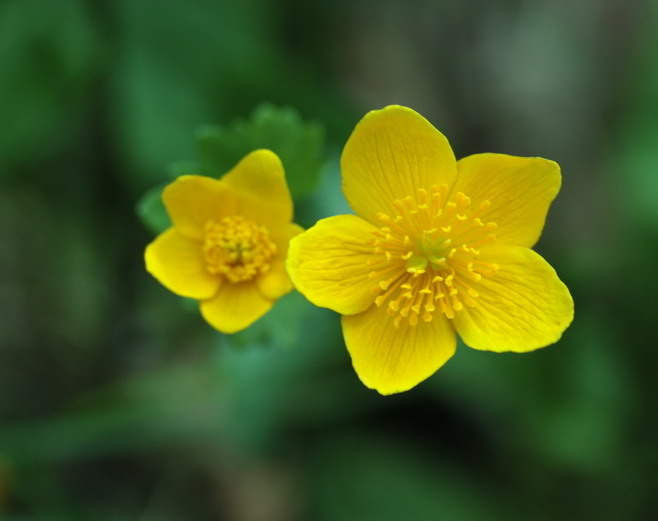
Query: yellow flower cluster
{"x": 437, "y": 247}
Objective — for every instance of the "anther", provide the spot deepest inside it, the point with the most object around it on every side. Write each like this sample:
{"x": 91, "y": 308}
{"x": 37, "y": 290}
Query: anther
{"x": 428, "y": 254}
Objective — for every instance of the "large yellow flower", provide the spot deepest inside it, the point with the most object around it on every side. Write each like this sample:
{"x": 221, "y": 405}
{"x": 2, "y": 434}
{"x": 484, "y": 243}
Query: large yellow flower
{"x": 439, "y": 246}
{"x": 229, "y": 240}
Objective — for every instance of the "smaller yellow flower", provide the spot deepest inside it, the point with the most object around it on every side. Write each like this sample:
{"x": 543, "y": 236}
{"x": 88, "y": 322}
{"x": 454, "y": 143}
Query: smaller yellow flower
{"x": 229, "y": 240}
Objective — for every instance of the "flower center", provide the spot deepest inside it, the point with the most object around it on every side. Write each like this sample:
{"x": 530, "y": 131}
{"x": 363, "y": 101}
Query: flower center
{"x": 426, "y": 257}
{"x": 237, "y": 248}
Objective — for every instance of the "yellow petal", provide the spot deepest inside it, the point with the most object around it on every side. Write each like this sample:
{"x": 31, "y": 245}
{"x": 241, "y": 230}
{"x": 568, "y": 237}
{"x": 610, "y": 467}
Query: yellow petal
{"x": 520, "y": 190}
{"x": 391, "y": 360}
{"x": 260, "y": 183}
{"x": 390, "y": 155}
{"x": 276, "y": 283}
{"x": 328, "y": 264}
{"x": 177, "y": 262}
{"x": 193, "y": 200}
{"x": 235, "y": 307}
{"x": 522, "y": 307}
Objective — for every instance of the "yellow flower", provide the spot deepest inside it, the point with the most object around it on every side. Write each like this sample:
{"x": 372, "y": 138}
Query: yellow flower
{"x": 229, "y": 240}
{"x": 439, "y": 246}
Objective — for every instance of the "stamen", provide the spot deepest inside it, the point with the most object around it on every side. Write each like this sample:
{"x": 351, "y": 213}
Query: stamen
{"x": 237, "y": 248}
{"x": 426, "y": 259}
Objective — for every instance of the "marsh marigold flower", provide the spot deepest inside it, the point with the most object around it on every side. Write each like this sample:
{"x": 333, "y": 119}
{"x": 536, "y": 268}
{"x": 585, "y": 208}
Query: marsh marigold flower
{"x": 229, "y": 240}
{"x": 437, "y": 247}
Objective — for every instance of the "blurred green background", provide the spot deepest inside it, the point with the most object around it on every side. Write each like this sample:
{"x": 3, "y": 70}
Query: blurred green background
{"x": 117, "y": 402}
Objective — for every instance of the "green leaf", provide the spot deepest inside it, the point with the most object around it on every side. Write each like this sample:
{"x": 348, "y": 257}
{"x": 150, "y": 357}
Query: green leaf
{"x": 299, "y": 144}
{"x": 151, "y": 210}
{"x": 280, "y": 327}
{"x": 179, "y": 168}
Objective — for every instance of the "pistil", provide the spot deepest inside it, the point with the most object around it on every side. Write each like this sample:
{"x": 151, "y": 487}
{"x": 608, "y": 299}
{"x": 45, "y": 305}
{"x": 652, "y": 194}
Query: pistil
{"x": 426, "y": 257}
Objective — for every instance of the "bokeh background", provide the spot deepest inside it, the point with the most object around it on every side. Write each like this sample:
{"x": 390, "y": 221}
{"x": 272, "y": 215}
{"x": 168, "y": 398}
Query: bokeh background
{"x": 117, "y": 402}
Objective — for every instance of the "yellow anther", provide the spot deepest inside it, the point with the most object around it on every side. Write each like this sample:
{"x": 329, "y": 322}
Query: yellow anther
{"x": 428, "y": 255}
{"x": 237, "y": 248}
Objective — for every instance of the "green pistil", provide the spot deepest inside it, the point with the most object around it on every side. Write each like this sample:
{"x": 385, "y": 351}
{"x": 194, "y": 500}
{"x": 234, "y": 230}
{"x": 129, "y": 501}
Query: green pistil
{"x": 416, "y": 263}
{"x": 437, "y": 263}
{"x": 434, "y": 251}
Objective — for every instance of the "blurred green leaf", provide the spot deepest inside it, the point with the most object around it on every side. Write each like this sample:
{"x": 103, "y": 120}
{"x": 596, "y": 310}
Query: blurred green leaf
{"x": 152, "y": 212}
{"x": 274, "y": 389}
{"x": 583, "y": 425}
{"x": 360, "y": 476}
{"x": 282, "y": 130}
{"x": 299, "y": 144}
{"x": 280, "y": 327}
{"x": 145, "y": 411}
{"x": 179, "y": 168}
